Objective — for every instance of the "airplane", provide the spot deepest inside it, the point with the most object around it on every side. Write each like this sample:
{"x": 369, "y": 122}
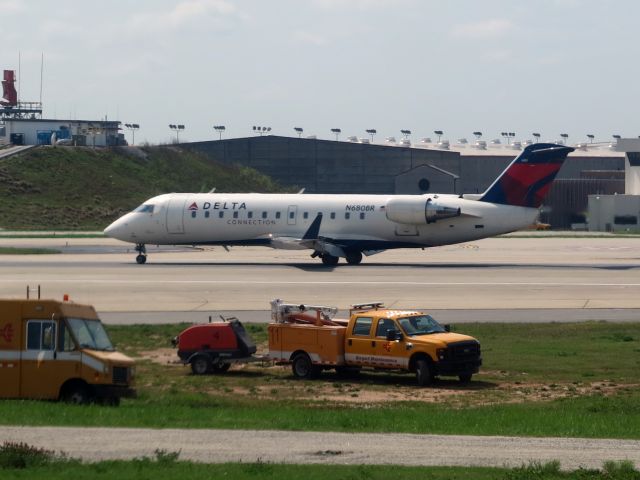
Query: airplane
{"x": 345, "y": 225}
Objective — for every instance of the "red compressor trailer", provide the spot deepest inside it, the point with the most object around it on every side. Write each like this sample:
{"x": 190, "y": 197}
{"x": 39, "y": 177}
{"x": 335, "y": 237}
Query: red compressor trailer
{"x": 213, "y": 347}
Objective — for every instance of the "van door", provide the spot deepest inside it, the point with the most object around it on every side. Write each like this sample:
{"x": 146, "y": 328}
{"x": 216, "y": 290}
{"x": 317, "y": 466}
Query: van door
{"x": 175, "y": 214}
{"x": 38, "y": 365}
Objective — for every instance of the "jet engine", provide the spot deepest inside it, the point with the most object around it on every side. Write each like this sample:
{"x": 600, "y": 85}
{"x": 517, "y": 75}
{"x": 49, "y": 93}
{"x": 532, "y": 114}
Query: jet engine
{"x": 418, "y": 211}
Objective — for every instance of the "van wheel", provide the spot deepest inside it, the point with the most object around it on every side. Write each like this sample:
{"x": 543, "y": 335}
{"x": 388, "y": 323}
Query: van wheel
{"x": 465, "y": 377}
{"x": 302, "y": 367}
{"x": 200, "y": 365}
{"x": 221, "y": 367}
{"x": 423, "y": 373}
{"x": 77, "y": 394}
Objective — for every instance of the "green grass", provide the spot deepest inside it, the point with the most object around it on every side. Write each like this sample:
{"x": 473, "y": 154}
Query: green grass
{"x": 165, "y": 466}
{"x": 27, "y": 251}
{"x": 86, "y": 189}
{"x": 574, "y": 380}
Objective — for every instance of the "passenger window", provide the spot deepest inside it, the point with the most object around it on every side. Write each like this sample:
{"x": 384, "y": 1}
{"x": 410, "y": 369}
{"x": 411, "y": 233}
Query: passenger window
{"x": 221, "y": 214}
{"x": 333, "y": 215}
{"x": 305, "y": 215}
{"x": 249, "y": 214}
{"x": 193, "y": 214}
{"x": 277, "y": 215}
{"x": 41, "y": 335}
{"x": 384, "y": 325}
{"x": 361, "y": 215}
{"x": 235, "y": 214}
{"x": 362, "y": 326}
{"x": 347, "y": 215}
{"x": 206, "y": 214}
{"x": 264, "y": 214}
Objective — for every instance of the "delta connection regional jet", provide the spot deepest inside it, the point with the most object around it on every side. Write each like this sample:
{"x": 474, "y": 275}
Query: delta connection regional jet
{"x": 346, "y": 226}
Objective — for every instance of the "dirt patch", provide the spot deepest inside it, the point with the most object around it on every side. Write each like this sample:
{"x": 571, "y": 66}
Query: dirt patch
{"x": 269, "y": 382}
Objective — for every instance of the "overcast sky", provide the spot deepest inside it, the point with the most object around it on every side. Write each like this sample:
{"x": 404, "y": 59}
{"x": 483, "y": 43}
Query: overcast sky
{"x": 548, "y": 66}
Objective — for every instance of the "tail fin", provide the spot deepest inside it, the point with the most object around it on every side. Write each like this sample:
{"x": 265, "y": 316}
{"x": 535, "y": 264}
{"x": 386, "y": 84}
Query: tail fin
{"x": 528, "y": 178}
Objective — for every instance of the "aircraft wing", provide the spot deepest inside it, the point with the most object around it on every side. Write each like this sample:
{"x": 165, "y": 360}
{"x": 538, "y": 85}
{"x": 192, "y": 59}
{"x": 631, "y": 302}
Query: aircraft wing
{"x": 310, "y": 240}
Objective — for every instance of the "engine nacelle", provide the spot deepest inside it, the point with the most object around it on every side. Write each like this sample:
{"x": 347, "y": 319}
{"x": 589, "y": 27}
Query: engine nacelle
{"x": 418, "y": 211}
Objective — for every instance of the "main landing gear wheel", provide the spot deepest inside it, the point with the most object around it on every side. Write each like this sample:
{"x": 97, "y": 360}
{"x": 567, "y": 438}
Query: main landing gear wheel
{"x": 354, "y": 258}
{"x": 142, "y": 253}
{"x": 329, "y": 260}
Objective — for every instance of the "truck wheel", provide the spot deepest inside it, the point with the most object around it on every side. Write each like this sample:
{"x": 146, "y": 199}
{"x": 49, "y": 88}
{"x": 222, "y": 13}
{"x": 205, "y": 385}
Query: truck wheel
{"x": 77, "y": 394}
{"x": 465, "y": 377}
{"x": 303, "y": 367}
{"x": 200, "y": 365}
{"x": 221, "y": 367}
{"x": 423, "y": 373}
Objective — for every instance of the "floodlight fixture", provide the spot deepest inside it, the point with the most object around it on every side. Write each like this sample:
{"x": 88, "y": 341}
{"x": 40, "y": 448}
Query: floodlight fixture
{"x": 406, "y": 133}
{"x": 372, "y": 132}
{"x": 299, "y": 130}
{"x": 478, "y": 135}
{"x": 337, "y": 131}
{"x": 590, "y": 136}
{"x": 219, "y": 129}
{"x": 617, "y": 137}
{"x": 132, "y": 127}
{"x": 536, "y": 135}
{"x": 439, "y": 133}
{"x": 176, "y": 128}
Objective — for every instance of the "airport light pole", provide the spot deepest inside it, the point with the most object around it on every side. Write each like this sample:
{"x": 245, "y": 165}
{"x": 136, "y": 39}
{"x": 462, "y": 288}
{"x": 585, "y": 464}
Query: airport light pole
{"x": 177, "y": 129}
{"x": 478, "y": 135}
{"x": 406, "y": 133}
{"x": 299, "y": 130}
{"x": 219, "y": 129}
{"x": 439, "y": 133}
{"x": 372, "y": 132}
{"x": 132, "y": 127}
{"x": 590, "y": 136}
{"x": 261, "y": 130}
{"x": 337, "y": 131}
{"x": 536, "y": 135}
{"x": 565, "y": 137}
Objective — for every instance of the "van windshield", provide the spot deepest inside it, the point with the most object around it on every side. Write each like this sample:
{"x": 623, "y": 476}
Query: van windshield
{"x": 420, "y": 325}
{"x": 90, "y": 334}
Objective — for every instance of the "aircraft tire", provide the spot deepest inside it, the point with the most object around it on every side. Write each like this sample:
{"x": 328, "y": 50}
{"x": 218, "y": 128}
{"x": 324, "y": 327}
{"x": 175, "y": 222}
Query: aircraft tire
{"x": 329, "y": 260}
{"x": 354, "y": 258}
{"x": 141, "y": 259}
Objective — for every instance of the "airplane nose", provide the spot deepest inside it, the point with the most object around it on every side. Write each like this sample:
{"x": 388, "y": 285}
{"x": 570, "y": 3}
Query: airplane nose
{"x": 117, "y": 229}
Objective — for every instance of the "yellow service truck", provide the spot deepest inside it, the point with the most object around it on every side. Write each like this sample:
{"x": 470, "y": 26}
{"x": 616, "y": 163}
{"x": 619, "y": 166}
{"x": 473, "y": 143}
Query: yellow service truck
{"x": 311, "y": 340}
{"x": 59, "y": 350}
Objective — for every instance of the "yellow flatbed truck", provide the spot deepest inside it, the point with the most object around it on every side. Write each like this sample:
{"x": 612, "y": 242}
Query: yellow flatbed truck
{"x": 375, "y": 337}
{"x": 59, "y": 350}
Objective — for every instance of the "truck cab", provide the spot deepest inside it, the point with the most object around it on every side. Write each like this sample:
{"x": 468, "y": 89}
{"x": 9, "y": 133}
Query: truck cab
{"x": 373, "y": 337}
{"x": 59, "y": 350}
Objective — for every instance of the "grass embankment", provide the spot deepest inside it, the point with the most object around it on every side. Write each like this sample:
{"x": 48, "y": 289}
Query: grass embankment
{"x": 574, "y": 380}
{"x": 27, "y": 251}
{"x": 74, "y": 188}
{"x": 19, "y": 460}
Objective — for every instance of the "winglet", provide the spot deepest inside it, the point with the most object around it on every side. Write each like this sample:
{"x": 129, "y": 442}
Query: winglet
{"x": 314, "y": 229}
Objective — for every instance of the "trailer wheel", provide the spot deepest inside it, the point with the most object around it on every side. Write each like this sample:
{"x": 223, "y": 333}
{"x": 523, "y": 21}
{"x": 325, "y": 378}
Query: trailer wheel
{"x": 200, "y": 365}
{"x": 423, "y": 372}
{"x": 303, "y": 367}
{"x": 221, "y": 367}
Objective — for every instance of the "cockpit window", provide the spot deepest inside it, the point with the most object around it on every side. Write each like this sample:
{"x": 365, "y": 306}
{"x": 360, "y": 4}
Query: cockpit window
{"x": 147, "y": 208}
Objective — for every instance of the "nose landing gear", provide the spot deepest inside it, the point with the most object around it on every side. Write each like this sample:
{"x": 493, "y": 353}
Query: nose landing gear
{"x": 142, "y": 253}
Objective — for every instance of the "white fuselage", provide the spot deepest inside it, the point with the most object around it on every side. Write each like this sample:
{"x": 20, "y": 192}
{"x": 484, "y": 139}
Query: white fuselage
{"x": 356, "y": 221}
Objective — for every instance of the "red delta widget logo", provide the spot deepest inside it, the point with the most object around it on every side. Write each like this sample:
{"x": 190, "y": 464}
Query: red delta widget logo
{"x": 6, "y": 333}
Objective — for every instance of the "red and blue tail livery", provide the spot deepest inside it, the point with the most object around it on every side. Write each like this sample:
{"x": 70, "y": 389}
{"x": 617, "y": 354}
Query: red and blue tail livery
{"x": 528, "y": 178}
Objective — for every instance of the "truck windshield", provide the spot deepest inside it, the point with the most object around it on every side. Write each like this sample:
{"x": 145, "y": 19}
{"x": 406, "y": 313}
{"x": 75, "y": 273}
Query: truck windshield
{"x": 90, "y": 334}
{"x": 420, "y": 325}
